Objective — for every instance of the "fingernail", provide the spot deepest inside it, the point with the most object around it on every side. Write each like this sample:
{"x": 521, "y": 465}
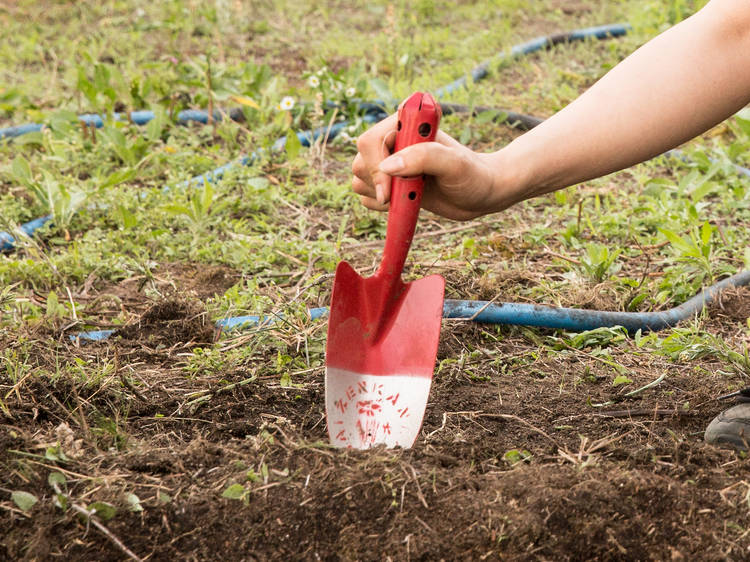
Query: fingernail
{"x": 392, "y": 165}
{"x": 380, "y": 194}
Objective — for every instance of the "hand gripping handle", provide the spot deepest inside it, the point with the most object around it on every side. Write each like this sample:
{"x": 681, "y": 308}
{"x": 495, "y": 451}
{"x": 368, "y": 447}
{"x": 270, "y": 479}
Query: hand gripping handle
{"x": 418, "y": 121}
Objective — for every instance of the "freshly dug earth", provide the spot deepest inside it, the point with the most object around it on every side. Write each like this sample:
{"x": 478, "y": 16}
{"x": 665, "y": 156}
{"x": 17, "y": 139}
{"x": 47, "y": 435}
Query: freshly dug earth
{"x": 514, "y": 460}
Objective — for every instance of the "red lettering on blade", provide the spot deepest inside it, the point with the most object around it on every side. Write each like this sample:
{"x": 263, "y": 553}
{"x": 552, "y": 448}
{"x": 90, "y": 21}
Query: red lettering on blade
{"x": 367, "y": 431}
{"x": 368, "y": 407}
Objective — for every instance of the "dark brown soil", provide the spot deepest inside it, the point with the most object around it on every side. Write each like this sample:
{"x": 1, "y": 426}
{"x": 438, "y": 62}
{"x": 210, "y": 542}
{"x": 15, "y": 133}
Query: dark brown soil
{"x": 168, "y": 323}
{"x": 515, "y": 461}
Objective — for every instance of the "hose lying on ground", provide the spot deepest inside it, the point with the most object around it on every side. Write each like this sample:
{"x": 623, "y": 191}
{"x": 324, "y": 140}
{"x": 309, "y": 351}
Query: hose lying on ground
{"x": 479, "y": 311}
{"x": 519, "y": 314}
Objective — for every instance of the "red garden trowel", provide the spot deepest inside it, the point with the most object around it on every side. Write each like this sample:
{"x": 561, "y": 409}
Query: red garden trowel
{"x": 383, "y": 333}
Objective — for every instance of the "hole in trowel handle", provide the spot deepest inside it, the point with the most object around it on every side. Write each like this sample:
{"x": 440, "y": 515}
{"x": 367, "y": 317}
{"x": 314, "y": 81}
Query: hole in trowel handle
{"x": 424, "y": 130}
{"x": 412, "y": 195}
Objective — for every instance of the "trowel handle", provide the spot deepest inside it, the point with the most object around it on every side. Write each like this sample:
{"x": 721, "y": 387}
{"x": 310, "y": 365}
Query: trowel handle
{"x": 418, "y": 121}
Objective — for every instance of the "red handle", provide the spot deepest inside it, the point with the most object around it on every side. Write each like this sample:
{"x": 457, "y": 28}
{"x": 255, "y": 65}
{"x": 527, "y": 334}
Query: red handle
{"x": 418, "y": 121}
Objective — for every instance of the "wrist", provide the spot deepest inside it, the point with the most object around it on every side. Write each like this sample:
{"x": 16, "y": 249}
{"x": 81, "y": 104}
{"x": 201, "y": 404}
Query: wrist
{"x": 511, "y": 174}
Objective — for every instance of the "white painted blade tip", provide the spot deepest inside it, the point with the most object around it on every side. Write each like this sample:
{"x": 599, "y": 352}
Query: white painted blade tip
{"x": 365, "y": 410}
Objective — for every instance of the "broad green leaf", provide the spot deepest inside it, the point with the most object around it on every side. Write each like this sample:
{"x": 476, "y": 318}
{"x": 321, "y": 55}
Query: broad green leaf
{"x": 620, "y": 380}
{"x": 703, "y": 184}
{"x": 35, "y": 137}
{"x": 207, "y": 196}
{"x": 178, "y": 210}
{"x": 234, "y": 492}
{"x": 52, "y": 306}
{"x": 56, "y": 478}
{"x": 514, "y": 455}
{"x": 86, "y": 87}
{"x": 24, "y": 500}
{"x": 119, "y": 143}
{"x": 636, "y": 300}
{"x": 104, "y": 510}
{"x": 21, "y": 169}
{"x": 490, "y": 115}
{"x": 676, "y": 240}
{"x": 126, "y": 217}
{"x": 155, "y": 127}
{"x": 293, "y": 145}
{"x": 258, "y": 183}
{"x": 744, "y": 123}
{"x": 55, "y": 452}
{"x": 134, "y": 502}
{"x": 117, "y": 177}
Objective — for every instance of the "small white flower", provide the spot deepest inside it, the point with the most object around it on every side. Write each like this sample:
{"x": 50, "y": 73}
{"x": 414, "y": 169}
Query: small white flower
{"x": 336, "y": 87}
{"x": 350, "y": 92}
{"x": 322, "y": 71}
{"x": 313, "y": 81}
{"x": 287, "y": 103}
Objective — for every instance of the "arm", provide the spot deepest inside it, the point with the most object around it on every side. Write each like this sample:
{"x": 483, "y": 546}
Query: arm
{"x": 676, "y": 86}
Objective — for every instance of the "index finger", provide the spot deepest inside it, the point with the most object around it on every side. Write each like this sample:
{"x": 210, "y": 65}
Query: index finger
{"x": 374, "y": 145}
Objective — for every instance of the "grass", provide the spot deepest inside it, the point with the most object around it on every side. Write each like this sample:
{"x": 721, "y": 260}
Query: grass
{"x": 128, "y": 235}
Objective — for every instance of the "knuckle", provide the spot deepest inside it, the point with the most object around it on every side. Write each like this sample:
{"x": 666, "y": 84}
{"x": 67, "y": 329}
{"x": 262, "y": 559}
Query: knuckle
{"x": 363, "y": 141}
{"x": 359, "y": 187}
{"x": 358, "y": 165}
{"x": 417, "y": 156}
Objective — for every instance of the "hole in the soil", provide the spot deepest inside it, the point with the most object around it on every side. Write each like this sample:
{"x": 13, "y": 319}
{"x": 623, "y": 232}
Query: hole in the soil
{"x": 412, "y": 195}
{"x": 424, "y": 130}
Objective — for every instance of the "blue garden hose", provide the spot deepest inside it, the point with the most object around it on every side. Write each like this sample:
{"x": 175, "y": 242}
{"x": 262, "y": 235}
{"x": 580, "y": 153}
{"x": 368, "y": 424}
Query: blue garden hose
{"x": 137, "y": 117}
{"x": 374, "y": 111}
{"x": 518, "y": 314}
{"x": 478, "y": 311}
{"x": 532, "y": 46}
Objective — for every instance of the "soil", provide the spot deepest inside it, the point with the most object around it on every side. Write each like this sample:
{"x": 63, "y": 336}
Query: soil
{"x": 516, "y": 460}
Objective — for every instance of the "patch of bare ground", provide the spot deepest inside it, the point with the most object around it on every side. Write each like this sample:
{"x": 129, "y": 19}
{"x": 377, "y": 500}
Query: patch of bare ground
{"x": 628, "y": 480}
{"x": 728, "y": 315}
{"x": 525, "y": 452}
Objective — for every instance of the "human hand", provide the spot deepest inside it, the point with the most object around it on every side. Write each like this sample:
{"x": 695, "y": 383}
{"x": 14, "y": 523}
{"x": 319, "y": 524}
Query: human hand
{"x": 459, "y": 183}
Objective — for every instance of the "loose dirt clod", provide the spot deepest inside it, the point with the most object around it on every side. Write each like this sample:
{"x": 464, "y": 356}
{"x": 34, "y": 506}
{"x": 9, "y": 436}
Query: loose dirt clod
{"x": 168, "y": 323}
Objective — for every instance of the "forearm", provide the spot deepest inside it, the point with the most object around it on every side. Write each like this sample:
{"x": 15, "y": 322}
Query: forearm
{"x": 678, "y": 85}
